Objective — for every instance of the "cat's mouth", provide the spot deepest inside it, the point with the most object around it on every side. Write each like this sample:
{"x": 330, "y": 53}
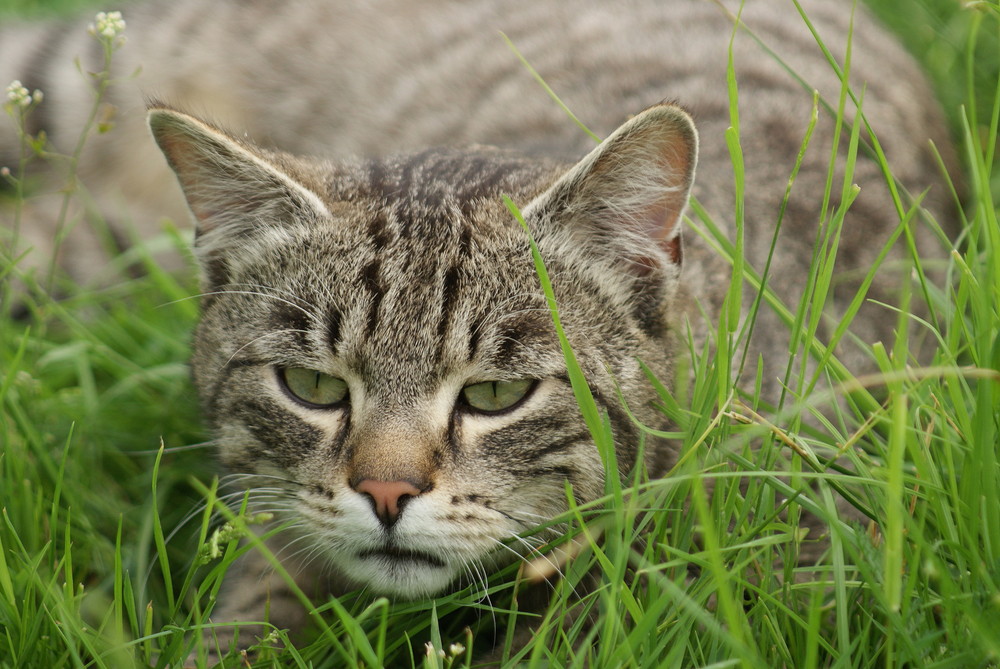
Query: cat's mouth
{"x": 397, "y": 555}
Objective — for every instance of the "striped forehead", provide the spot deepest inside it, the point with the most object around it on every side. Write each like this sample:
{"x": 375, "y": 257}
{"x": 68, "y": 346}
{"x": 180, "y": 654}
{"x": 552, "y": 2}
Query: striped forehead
{"x": 434, "y": 269}
{"x": 420, "y": 304}
{"x": 422, "y": 271}
{"x": 408, "y": 285}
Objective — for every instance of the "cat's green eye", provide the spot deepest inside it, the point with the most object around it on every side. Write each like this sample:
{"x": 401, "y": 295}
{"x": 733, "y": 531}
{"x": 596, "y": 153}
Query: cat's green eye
{"x": 495, "y": 396}
{"x": 312, "y": 387}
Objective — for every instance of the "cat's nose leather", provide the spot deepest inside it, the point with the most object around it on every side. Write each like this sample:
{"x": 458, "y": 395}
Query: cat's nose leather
{"x": 388, "y": 497}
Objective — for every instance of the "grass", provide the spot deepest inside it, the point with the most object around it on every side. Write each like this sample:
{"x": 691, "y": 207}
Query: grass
{"x": 35, "y": 8}
{"x": 99, "y": 523}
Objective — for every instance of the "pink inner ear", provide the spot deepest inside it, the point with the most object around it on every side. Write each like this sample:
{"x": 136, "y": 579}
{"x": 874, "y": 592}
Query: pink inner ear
{"x": 662, "y": 215}
{"x": 660, "y": 218}
{"x": 646, "y": 167}
{"x": 676, "y": 160}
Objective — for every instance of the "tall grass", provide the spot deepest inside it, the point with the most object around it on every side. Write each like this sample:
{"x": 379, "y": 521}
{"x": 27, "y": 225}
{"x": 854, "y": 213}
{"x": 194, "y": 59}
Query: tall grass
{"x": 109, "y": 556}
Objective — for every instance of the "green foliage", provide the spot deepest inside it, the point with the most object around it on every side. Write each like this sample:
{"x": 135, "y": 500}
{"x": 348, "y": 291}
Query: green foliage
{"x": 110, "y": 554}
{"x": 47, "y": 7}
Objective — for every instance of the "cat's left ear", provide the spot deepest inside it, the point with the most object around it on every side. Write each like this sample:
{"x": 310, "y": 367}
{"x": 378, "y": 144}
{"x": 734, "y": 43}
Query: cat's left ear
{"x": 630, "y": 190}
{"x": 232, "y": 187}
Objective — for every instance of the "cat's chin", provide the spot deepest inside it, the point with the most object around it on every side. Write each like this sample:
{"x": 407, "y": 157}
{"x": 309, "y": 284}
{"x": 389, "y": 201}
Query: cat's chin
{"x": 400, "y": 574}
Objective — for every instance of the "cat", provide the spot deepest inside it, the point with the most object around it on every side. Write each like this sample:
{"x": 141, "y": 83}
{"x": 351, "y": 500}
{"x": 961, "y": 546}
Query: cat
{"x": 375, "y": 355}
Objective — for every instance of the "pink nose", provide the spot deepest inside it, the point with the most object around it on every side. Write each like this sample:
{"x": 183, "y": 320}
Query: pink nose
{"x": 388, "y": 497}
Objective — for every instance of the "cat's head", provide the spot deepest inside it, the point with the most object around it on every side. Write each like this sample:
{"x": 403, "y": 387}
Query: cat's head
{"x": 377, "y": 352}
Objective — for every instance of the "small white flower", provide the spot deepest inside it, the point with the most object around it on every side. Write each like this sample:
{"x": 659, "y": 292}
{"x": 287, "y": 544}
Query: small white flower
{"x": 37, "y": 96}
{"x": 18, "y": 95}
{"x": 4, "y": 171}
{"x": 456, "y": 649}
{"x": 108, "y": 26}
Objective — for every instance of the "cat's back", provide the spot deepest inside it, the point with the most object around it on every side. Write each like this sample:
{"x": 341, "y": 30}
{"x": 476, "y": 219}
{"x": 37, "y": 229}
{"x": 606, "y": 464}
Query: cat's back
{"x": 356, "y": 77}
{"x": 389, "y": 76}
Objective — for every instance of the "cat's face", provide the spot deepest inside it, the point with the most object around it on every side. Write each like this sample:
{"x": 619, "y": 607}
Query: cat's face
{"x": 377, "y": 356}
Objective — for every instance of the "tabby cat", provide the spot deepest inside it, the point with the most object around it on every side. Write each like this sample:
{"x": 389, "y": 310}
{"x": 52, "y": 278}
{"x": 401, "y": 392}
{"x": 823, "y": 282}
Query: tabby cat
{"x": 375, "y": 353}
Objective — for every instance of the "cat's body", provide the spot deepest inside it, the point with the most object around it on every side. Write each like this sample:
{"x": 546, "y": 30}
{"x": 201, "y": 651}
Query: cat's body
{"x": 409, "y": 280}
{"x": 341, "y": 79}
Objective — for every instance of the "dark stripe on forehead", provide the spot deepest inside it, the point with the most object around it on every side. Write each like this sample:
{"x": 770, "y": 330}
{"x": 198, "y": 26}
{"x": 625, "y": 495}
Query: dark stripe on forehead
{"x": 464, "y": 240}
{"x": 475, "y": 337}
{"x": 503, "y": 340}
{"x": 519, "y": 327}
{"x": 449, "y": 299}
{"x": 333, "y": 331}
{"x": 378, "y": 230}
{"x": 452, "y": 281}
{"x": 370, "y": 280}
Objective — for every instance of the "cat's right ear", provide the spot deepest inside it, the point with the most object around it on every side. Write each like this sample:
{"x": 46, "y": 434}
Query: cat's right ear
{"x": 232, "y": 187}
